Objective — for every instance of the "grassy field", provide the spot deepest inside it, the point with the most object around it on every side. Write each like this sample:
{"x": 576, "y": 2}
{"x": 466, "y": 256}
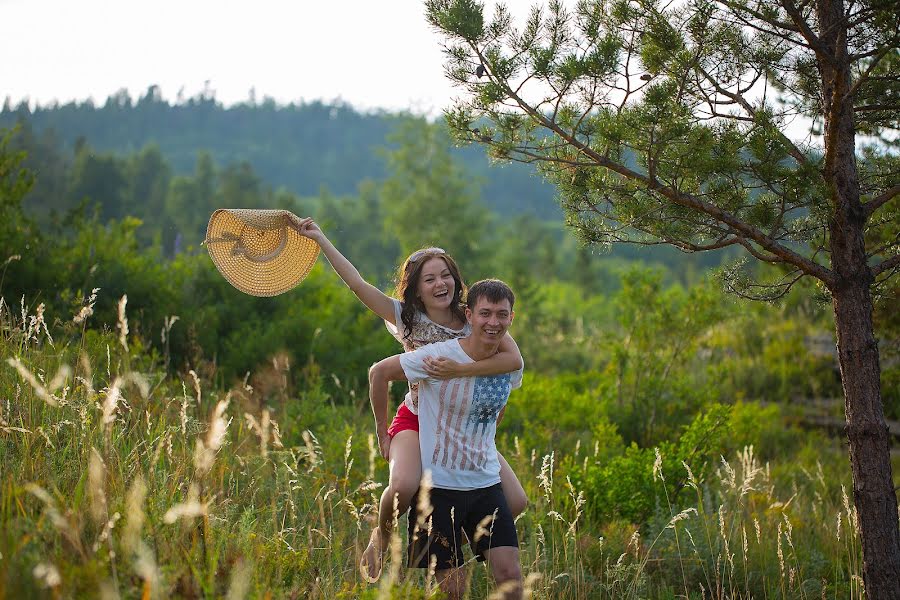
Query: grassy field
{"x": 120, "y": 480}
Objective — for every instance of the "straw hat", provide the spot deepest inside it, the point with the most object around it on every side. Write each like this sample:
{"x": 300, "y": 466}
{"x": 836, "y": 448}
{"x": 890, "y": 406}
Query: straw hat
{"x": 257, "y": 251}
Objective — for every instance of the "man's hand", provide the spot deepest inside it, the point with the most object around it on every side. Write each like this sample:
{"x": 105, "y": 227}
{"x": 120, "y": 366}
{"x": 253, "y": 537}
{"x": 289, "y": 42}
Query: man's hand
{"x": 442, "y": 368}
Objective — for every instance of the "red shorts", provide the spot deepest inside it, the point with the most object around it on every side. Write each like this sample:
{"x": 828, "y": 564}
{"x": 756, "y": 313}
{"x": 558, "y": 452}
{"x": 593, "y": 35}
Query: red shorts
{"x": 404, "y": 420}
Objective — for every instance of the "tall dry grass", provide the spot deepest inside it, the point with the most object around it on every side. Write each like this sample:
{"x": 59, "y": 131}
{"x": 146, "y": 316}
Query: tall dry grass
{"x": 120, "y": 481}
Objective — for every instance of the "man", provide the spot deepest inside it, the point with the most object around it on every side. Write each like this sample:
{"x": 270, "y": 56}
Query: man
{"x": 457, "y": 428}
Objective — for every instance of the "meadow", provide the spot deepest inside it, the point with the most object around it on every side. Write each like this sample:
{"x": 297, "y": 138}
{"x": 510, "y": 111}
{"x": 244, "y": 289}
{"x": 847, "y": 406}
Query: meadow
{"x": 123, "y": 479}
{"x": 164, "y": 435}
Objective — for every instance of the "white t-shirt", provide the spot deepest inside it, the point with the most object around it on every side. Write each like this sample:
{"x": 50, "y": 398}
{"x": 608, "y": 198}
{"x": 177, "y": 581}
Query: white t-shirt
{"x": 458, "y": 419}
{"x": 424, "y": 331}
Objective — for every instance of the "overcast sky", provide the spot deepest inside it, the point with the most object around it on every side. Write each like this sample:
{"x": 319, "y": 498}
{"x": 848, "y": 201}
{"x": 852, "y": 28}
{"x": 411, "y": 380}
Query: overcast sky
{"x": 368, "y": 53}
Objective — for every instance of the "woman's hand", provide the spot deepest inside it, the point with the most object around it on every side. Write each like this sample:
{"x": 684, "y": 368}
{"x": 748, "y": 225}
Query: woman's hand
{"x": 306, "y": 227}
{"x": 442, "y": 368}
{"x": 384, "y": 445}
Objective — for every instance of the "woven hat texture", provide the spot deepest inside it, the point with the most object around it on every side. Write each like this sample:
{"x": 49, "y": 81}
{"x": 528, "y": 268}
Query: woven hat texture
{"x": 257, "y": 251}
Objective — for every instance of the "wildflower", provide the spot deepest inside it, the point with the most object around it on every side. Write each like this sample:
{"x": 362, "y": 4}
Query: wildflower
{"x": 348, "y": 462}
{"x": 168, "y": 322}
{"x": 50, "y": 505}
{"x": 240, "y": 581}
{"x": 112, "y": 401}
{"x": 312, "y": 449}
{"x": 730, "y": 477}
{"x": 196, "y": 381}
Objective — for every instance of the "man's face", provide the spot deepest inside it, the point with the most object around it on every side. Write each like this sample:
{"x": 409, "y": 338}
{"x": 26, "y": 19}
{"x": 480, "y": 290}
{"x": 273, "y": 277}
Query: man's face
{"x": 489, "y": 320}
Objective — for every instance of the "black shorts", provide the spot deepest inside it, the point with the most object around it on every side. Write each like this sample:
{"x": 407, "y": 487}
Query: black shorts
{"x": 454, "y": 513}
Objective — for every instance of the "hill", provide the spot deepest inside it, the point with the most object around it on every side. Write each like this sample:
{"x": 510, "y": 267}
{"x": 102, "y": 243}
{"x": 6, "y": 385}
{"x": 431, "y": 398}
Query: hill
{"x": 300, "y": 147}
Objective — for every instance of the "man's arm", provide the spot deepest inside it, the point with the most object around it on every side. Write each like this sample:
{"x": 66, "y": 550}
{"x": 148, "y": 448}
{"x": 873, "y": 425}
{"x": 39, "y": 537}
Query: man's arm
{"x": 380, "y": 376}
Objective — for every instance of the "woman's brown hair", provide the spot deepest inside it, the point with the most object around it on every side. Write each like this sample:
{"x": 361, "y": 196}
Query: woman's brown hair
{"x": 408, "y": 282}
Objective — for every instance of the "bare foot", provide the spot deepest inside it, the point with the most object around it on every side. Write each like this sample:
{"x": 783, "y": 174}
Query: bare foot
{"x": 372, "y": 559}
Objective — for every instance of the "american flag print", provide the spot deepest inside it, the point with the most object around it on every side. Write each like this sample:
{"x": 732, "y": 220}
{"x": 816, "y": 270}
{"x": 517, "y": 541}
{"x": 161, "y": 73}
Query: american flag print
{"x": 467, "y": 414}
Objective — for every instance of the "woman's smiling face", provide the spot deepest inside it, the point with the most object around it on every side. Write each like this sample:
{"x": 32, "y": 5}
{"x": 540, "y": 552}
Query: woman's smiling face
{"x": 436, "y": 284}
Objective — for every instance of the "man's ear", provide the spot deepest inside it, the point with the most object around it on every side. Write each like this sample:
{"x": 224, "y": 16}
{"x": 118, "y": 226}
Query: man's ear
{"x": 512, "y": 315}
{"x": 468, "y": 315}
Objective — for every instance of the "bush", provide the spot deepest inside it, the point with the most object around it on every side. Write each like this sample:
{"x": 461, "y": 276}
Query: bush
{"x": 625, "y": 488}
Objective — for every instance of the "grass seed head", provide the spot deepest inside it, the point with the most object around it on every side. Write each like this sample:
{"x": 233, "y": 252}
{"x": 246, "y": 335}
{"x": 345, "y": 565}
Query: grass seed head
{"x": 29, "y": 377}
{"x": 47, "y": 574}
{"x": 134, "y": 509}
{"x": 97, "y": 486}
{"x": 485, "y": 527}
{"x": 122, "y": 324}
{"x": 189, "y": 509}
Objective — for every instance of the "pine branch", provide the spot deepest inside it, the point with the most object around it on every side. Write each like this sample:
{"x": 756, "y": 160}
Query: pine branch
{"x": 777, "y": 252}
{"x": 792, "y": 148}
{"x": 874, "y": 107}
{"x": 878, "y": 201}
{"x": 889, "y": 264}
{"x": 811, "y": 38}
{"x": 865, "y": 76}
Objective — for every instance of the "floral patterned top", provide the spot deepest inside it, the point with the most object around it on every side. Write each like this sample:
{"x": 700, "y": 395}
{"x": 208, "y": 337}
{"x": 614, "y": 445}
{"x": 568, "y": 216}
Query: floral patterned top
{"x": 424, "y": 332}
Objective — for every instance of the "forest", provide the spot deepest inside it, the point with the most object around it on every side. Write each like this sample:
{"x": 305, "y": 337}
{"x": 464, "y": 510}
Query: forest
{"x": 165, "y": 435}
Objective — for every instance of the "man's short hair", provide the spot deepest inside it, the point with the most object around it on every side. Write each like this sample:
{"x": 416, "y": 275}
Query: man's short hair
{"x": 493, "y": 290}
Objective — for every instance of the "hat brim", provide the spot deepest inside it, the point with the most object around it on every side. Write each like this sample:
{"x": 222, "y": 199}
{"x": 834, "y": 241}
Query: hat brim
{"x": 257, "y": 252}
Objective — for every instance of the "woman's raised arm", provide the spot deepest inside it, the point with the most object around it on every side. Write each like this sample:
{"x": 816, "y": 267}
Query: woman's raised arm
{"x": 377, "y": 301}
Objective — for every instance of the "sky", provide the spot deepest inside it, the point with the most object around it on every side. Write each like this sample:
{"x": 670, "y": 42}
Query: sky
{"x": 371, "y": 54}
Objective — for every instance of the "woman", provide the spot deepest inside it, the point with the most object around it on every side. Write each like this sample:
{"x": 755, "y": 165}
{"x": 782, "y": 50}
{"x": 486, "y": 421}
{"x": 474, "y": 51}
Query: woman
{"x": 430, "y": 310}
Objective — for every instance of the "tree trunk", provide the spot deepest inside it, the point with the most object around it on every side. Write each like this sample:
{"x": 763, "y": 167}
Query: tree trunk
{"x": 873, "y": 486}
{"x": 870, "y": 458}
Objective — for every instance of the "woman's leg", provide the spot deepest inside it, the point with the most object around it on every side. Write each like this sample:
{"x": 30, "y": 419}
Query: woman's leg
{"x": 512, "y": 488}
{"x": 406, "y": 471}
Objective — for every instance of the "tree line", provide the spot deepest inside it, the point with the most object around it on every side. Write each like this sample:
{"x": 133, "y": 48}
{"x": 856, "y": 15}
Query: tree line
{"x": 299, "y": 147}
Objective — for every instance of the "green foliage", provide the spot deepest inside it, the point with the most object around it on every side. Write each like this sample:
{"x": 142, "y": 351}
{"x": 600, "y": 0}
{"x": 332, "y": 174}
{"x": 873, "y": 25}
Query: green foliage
{"x": 357, "y": 226}
{"x": 659, "y": 332}
{"x": 428, "y": 188}
{"x": 551, "y": 412}
{"x": 763, "y": 427}
{"x": 624, "y": 487}
{"x": 462, "y": 17}
{"x": 788, "y": 358}
{"x": 18, "y": 234}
